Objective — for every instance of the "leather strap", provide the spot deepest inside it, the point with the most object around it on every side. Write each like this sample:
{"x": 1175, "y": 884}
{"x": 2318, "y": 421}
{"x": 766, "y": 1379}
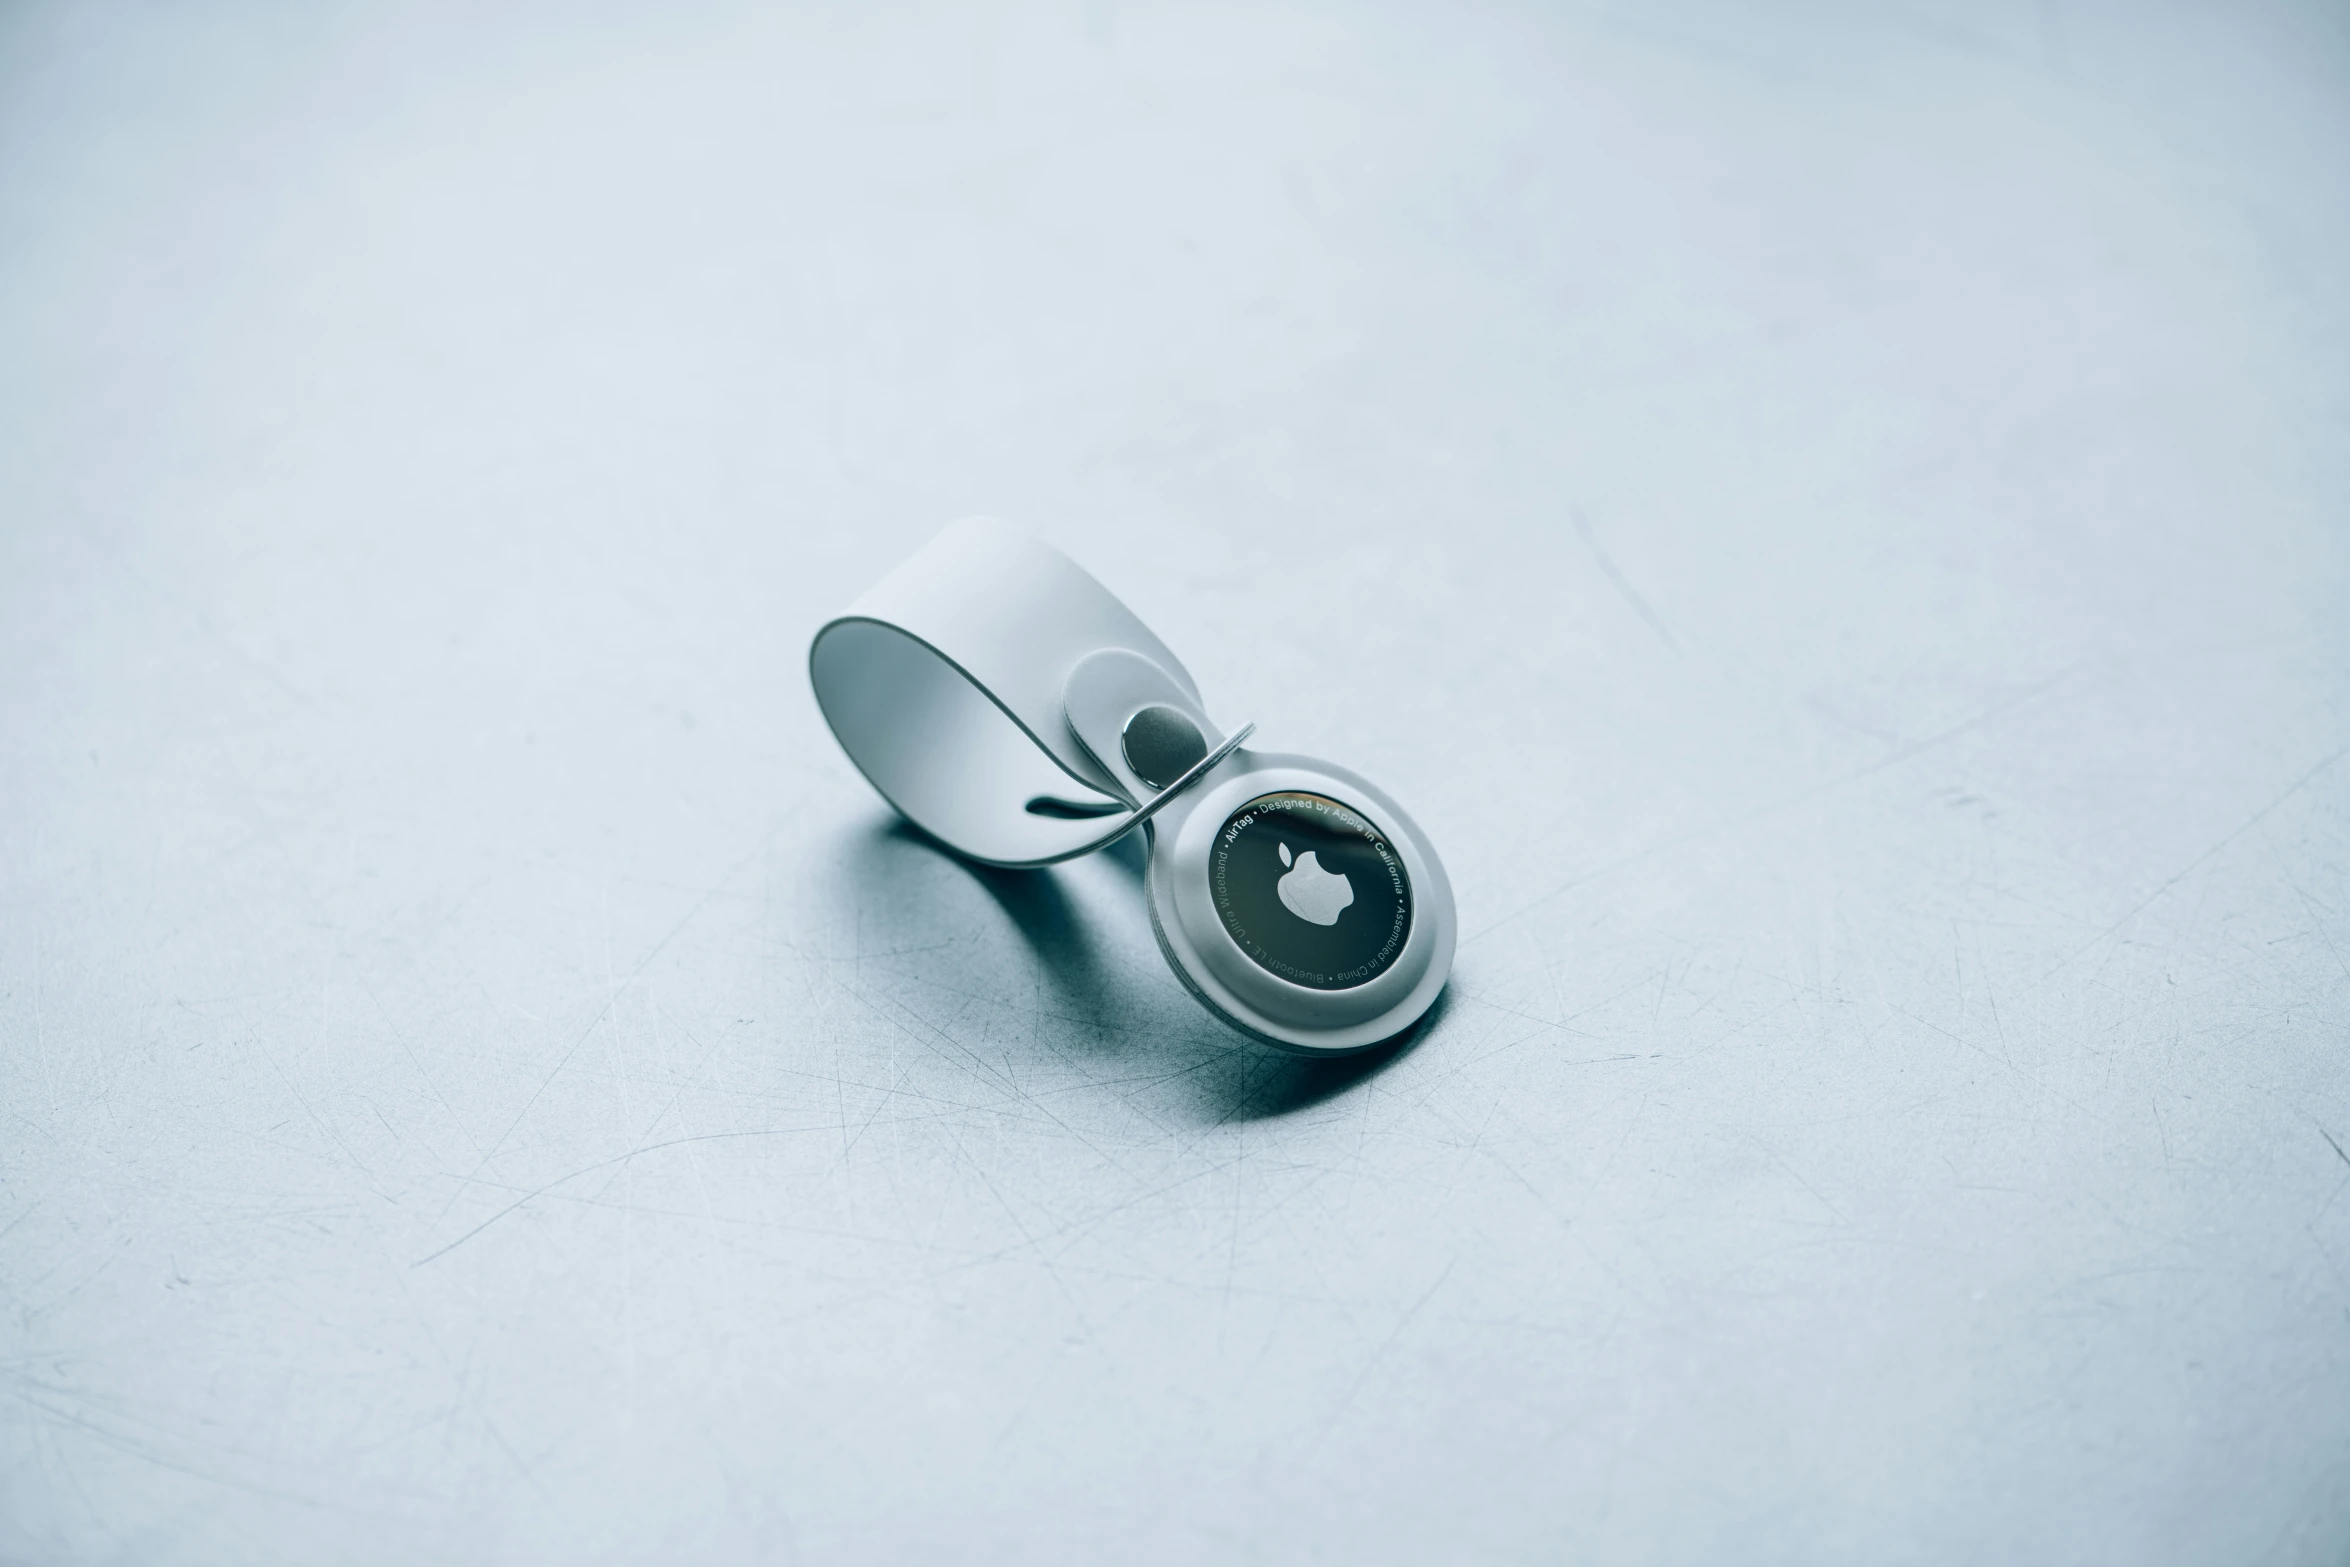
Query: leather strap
{"x": 982, "y": 687}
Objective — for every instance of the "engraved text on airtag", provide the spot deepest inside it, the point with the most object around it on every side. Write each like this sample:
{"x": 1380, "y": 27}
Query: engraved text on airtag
{"x": 1311, "y": 890}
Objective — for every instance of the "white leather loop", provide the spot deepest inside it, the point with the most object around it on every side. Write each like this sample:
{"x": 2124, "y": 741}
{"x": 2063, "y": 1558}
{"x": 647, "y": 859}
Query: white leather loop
{"x": 947, "y": 685}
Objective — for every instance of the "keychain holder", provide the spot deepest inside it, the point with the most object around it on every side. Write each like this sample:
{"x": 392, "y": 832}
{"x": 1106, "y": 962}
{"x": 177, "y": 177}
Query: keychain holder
{"x": 1011, "y": 707}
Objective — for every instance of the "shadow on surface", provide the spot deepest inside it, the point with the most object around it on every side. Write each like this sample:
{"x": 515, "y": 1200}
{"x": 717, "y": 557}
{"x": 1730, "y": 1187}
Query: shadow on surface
{"x": 1056, "y": 931}
{"x": 1224, "y": 1075}
{"x": 1286, "y": 1084}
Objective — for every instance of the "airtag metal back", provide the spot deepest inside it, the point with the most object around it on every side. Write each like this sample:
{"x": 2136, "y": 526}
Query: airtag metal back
{"x": 1311, "y": 890}
{"x": 1342, "y": 945}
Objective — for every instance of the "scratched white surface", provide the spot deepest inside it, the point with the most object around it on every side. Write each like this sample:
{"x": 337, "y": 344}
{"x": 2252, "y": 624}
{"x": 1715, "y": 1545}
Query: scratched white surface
{"x": 1835, "y": 521}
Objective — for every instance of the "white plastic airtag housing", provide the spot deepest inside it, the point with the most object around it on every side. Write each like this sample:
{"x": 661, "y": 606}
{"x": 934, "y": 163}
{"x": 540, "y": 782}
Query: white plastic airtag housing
{"x": 1010, "y": 706}
{"x": 1235, "y": 986}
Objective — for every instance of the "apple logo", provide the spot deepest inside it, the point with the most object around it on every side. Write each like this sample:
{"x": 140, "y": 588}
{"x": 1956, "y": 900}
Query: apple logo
{"x": 1312, "y": 893}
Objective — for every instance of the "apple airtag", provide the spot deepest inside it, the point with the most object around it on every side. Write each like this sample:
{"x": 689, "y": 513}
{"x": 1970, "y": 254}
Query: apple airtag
{"x": 1008, "y": 705}
{"x": 1310, "y": 890}
{"x": 1300, "y": 902}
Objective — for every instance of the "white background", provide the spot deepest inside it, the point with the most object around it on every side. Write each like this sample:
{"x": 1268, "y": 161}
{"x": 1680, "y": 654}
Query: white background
{"x": 1833, "y": 519}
